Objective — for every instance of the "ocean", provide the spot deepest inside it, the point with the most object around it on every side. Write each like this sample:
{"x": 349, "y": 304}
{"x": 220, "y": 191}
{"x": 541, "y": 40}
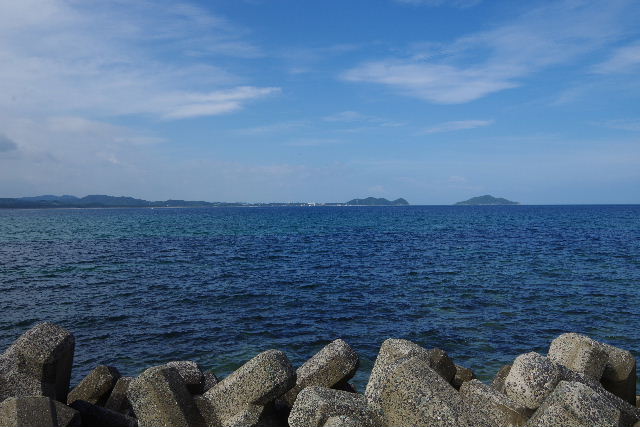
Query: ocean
{"x": 140, "y": 287}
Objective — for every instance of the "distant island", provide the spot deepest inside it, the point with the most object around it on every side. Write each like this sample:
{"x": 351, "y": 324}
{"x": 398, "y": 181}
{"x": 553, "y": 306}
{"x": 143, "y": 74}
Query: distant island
{"x": 486, "y": 200}
{"x": 104, "y": 201}
{"x": 372, "y": 201}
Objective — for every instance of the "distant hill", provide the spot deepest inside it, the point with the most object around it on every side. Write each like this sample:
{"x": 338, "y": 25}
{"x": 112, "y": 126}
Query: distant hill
{"x": 50, "y": 198}
{"x": 104, "y": 201}
{"x": 92, "y": 201}
{"x": 372, "y": 201}
{"x": 486, "y": 200}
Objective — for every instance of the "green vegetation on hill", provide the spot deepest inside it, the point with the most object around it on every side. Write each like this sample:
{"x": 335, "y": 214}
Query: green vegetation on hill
{"x": 372, "y": 201}
{"x": 104, "y": 201}
{"x": 486, "y": 200}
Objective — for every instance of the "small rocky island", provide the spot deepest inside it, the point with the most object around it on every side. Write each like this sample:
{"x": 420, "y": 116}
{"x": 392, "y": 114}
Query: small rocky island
{"x": 487, "y": 199}
{"x": 580, "y": 382}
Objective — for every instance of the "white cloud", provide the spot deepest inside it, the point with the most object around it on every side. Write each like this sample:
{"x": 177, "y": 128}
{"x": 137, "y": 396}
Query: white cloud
{"x": 355, "y": 117}
{"x": 217, "y": 102}
{"x": 477, "y": 65}
{"x": 270, "y": 128}
{"x": 458, "y": 125}
{"x": 625, "y": 59}
{"x": 111, "y": 59}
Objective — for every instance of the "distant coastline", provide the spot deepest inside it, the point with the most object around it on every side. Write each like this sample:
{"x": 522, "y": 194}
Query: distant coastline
{"x": 105, "y": 201}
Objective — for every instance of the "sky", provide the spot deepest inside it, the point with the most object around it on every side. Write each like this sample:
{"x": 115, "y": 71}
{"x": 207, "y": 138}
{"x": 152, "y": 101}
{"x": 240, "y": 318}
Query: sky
{"x": 435, "y": 101}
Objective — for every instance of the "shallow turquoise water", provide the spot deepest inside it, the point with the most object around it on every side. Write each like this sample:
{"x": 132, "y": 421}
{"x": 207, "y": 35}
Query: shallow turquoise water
{"x": 139, "y": 286}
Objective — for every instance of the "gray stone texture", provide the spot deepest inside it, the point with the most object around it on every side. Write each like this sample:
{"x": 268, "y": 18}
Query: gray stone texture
{"x": 37, "y": 411}
{"x": 258, "y": 382}
{"x": 498, "y": 380}
{"x": 316, "y": 405}
{"x": 210, "y": 380}
{"x": 160, "y": 398}
{"x": 392, "y": 352}
{"x": 575, "y": 404}
{"x": 462, "y": 374}
{"x": 531, "y": 379}
{"x": 415, "y": 395}
{"x": 332, "y": 366}
{"x": 118, "y": 400}
{"x": 96, "y": 387}
{"x": 343, "y": 421}
{"x": 192, "y": 375}
{"x": 38, "y": 363}
{"x": 254, "y": 416}
{"x": 495, "y": 406}
{"x": 440, "y": 362}
{"x": 94, "y": 415}
{"x": 578, "y": 352}
{"x": 346, "y": 386}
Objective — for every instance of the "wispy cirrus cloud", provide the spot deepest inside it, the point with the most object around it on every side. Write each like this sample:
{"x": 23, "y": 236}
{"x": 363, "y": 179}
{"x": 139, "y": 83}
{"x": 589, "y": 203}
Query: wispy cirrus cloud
{"x": 458, "y": 125}
{"x": 62, "y": 57}
{"x": 217, "y": 102}
{"x": 625, "y": 59}
{"x": 350, "y": 116}
{"x": 483, "y": 63}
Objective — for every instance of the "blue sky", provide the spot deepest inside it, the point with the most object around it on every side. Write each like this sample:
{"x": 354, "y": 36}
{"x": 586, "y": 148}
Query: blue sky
{"x": 291, "y": 100}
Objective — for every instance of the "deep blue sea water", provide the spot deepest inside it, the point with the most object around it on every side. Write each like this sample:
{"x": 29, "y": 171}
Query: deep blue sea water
{"x": 139, "y": 287}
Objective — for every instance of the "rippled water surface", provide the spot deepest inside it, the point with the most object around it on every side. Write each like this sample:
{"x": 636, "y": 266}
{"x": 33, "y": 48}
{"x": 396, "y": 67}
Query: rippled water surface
{"x": 143, "y": 286}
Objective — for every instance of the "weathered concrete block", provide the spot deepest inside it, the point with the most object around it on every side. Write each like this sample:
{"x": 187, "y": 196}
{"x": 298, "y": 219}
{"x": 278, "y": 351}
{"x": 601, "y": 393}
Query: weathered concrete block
{"x": 391, "y": 351}
{"x": 96, "y": 387}
{"x": 494, "y": 405}
{"x": 394, "y": 350}
{"x": 575, "y": 404}
{"x": 316, "y": 405}
{"x": 343, "y": 421}
{"x": 37, "y": 411}
{"x": 94, "y": 415}
{"x": 38, "y": 363}
{"x": 336, "y": 363}
{"x": 159, "y": 397}
{"x": 346, "y": 386}
{"x": 210, "y": 380}
{"x": 579, "y": 353}
{"x": 118, "y": 400}
{"x": 192, "y": 375}
{"x": 440, "y": 362}
{"x": 619, "y": 373}
{"x": 462, "y": 374}
{"x": 258, "y": 382}
{"x": 498, "y": 380}
{"x": 531, "y": 379}
{"x": 254, "y": 416}
{"x": 415, "y": 395}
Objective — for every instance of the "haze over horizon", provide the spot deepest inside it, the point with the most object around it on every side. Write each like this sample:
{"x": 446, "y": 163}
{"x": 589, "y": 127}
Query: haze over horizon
{"x": 435, "y": 101}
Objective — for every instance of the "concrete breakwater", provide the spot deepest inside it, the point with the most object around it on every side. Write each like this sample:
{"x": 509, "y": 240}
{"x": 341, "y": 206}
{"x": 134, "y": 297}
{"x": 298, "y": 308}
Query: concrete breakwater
{"x": 580, "y": 382}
